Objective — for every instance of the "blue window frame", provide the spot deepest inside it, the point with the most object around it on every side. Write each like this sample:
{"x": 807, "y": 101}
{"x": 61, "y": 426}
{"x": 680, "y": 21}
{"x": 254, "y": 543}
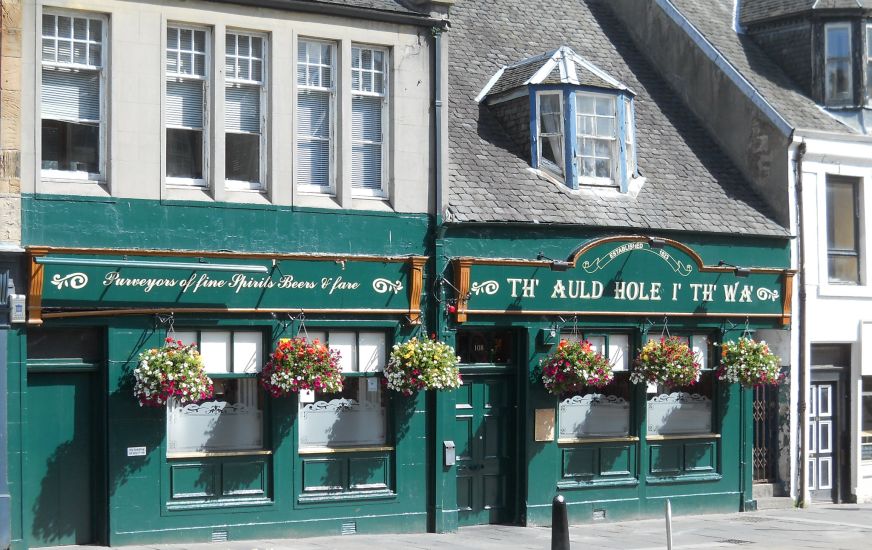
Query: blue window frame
{"x": 584, "y": 136}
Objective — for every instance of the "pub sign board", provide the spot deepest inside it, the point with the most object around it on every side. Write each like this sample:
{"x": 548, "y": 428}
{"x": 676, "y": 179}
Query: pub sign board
{"x": 102, "y": 282}
{"x": 621, "y": 276}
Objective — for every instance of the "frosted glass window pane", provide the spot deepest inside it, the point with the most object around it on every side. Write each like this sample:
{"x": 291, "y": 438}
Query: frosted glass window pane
{"x": 598, "y": 343}
{"x": 215, "y": 349}
{"x": 372, "y": 351}
{"x": 231, "y": 421}
{"x": 619, "y": 351}
{"x": 700, "y": 349}
{"x": 247, "y": 351}
{"x": 356, "y": 416}
{"x": 346, "y": 344}
{"x": 187, "y": 337}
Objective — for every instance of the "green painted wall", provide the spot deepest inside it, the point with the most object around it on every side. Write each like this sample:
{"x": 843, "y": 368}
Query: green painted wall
{"x": 140, "y": 506}
{"x": 698, "y": 475}
{"x": 50, "y": 220}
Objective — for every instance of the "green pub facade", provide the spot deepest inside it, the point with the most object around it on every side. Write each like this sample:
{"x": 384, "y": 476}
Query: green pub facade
{"x": 545, "y": 199}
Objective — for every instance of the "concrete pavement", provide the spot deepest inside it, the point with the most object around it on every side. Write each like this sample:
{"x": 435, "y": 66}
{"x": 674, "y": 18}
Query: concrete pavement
{"x": 831, "y": 527}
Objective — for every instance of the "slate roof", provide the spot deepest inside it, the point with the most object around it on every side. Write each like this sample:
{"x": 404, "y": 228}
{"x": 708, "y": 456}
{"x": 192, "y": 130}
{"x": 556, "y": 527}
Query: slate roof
{"x": 714, "y": 19}
{"x": 568, "y": 68}
{"x": 390, "y": 6}
{"x": 761, "y": 10}
{"x": 691, "y": 184}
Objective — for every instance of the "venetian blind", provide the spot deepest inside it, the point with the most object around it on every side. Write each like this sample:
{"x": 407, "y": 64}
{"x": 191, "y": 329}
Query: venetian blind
{"x": 368, "y": 87}
{"x": 366, "y": 157}
{"x": 242, "y": 108}
{"x": 184, "y": 103}
{"x": 70, "y": 94}
{"x": 313, "y": 140}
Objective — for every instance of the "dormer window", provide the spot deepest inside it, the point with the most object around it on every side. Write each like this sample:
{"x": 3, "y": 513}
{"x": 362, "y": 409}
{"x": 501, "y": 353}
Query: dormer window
{"x": 550, "y": 142}
{"x": 580, "y": 119}
{"x": 596, "y": 140}
{"x": 869, "y": 64}
{"x": 837, "y": 72}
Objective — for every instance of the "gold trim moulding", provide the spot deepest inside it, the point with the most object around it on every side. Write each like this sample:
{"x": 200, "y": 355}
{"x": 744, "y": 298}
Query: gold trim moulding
{"x": 618, "y": 313}
{"x": 625, "y": 439}
{"x": 682, "y": 436}
{"x": 150, "y": 311}
{"x": 333, "y": 450}
{"x": 213, "y": 454}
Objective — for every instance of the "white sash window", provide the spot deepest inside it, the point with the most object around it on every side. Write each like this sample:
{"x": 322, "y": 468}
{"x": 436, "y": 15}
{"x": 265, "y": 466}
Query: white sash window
{"x": 186, "y": 117}
{"x": 72, "y": 98}
{"x": 369, "y": 98}
{"x": 244, "y": 102}
{"x": 316, "y": 106}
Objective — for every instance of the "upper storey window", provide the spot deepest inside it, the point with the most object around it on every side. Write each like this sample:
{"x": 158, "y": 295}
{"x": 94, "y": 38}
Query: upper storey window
{"x": 550, "y": 142}
{"x": 837, "y": 73}
{"x": 244, "y": 101}
{"x": 368, "y": 109}
{"x": 869, "y": 64}
{"x": 187, "y": 85}
{"x": 72, "y": 103}
{"x": 581, "y": 119}
{"x": 316, "y": 106}
{"x": 596, "y": 146}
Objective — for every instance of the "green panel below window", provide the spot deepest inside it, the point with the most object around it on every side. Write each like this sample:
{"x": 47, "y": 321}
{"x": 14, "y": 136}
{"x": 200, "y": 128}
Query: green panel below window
{"x": 615, "y": 461}
{"x": 666, "y": 459}
{"x": 323, "y": 474}
{"x": 579, "y": 462}
{"x": 244, "y": 478}
{"x": 368, "y": 473}
{"x": 192, "y": 480}
{"x": 699, "y": 457}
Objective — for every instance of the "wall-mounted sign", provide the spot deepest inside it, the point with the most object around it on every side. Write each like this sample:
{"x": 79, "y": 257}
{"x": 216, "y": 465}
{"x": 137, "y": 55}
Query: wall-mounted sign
{"x": 621, "y": 276}
{"x": 71, "y": 282}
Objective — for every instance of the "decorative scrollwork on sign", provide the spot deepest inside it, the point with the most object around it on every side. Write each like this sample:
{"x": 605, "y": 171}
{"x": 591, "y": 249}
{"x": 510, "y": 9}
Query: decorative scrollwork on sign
{"x": 766, "y": 294}
{"x": 486, "y": 287}
{"x": 678, "y": 266}
{"x": 384, "y": 285}
{"x": 74, "y": 280}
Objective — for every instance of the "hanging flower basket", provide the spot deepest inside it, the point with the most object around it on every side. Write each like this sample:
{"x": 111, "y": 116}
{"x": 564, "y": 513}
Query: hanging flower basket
{"x": 574, "y": 366}
{"x": 174, "y": 370}
{"x": 749, "y": 363}
{"x": 667, "y": 361}
{"x": 297, "y": 364}
{"x": 422, "y": 365}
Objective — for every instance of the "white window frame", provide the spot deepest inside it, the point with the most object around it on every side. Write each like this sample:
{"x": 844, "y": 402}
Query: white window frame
{"x": 330, "y": 189}
{"x": 542, "y": 162}
{"x": 258, "y": 186}
{"x": 828, "y": 92}
{"x": 382, "y": 192}
{"x": 615, "y": 142}
{"x": 67, "y": 175}
{"x": 187, "y": 183}
{"x": 629, "y": 137}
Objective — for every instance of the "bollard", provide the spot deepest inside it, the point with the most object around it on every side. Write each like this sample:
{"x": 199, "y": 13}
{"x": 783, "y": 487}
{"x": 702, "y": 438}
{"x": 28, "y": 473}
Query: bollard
{"x": 559, "y": 524}
{"x": 668, "y": 525}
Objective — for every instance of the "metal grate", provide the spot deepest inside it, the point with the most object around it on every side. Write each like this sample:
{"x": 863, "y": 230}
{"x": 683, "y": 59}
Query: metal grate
{"x": 348, "y": 528}
{"x": 765, "y": 414}
{"x": 219, "y": 536}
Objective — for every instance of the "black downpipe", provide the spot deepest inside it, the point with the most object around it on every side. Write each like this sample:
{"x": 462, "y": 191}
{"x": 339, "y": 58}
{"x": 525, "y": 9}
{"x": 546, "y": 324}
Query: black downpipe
{"x": 802, "y": 359}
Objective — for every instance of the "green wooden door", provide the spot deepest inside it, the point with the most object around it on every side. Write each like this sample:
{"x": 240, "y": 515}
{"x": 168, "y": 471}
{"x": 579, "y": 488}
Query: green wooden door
{"x": 58, "y": 464}
{"x": 484, "y": 425}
